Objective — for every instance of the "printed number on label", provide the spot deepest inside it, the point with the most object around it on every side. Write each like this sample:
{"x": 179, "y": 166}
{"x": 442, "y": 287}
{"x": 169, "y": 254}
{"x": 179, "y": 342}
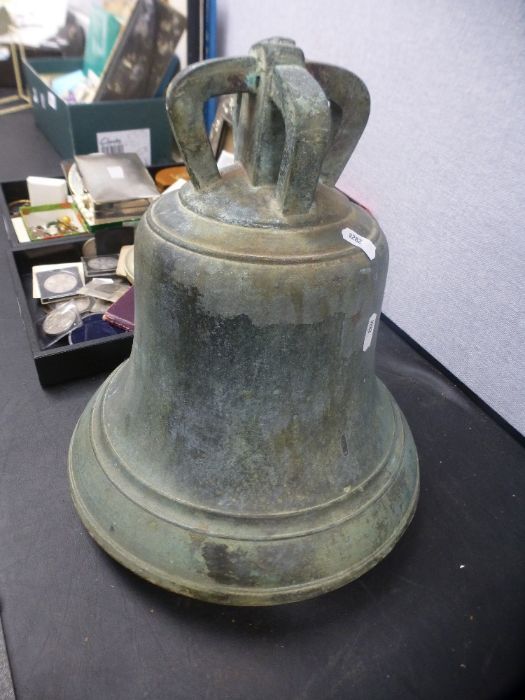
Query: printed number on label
{"x": 369, "y": 334}
{"x": 354, "y": 238}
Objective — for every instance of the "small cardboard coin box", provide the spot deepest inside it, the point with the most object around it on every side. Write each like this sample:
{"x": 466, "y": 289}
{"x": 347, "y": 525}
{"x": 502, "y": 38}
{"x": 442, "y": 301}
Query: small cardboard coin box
{"x": 109, "y": 126}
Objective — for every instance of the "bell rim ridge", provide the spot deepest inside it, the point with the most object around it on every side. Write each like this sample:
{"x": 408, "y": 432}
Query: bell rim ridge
{"x": 211, "y": 590}
{"x": 302, "y": 242}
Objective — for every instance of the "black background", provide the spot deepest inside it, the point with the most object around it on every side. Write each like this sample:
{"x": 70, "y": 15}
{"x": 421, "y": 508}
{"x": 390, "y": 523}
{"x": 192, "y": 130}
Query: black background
{"x": 442, "y": 617}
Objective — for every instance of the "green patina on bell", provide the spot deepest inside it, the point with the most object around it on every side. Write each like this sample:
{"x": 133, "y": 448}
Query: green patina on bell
{"x": 246, "y": 453}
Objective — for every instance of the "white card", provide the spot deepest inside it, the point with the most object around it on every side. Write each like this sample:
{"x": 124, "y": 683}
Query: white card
{"x": 20, "y": 229}
{"x": 127, "y": 141}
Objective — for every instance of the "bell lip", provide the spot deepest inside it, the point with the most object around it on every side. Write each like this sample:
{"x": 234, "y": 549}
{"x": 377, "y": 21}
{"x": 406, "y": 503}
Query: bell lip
{"x": 290, "y": 525}
{"x": 231, "y": 594}
{"x": 237, "y": 595}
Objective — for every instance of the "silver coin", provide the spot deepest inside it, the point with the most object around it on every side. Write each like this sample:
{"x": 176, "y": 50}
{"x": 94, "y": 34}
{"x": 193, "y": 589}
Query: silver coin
{"x": 59, "y": 321}
{"x": 60, "y": 282}
{"x": 107, "y": 289}
{"x": 100, "y": 306}
{"x": 103, "y": 262}
{"x": 82, "y": 304}
{"x": 89, "y": 248}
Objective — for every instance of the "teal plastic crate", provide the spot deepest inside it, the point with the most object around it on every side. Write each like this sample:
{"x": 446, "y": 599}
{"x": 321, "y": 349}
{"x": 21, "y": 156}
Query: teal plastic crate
{"x": 72, "y": 129}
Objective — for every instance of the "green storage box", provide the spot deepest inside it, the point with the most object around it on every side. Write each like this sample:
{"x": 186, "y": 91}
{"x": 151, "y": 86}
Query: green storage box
{"x": 73, "y": 129}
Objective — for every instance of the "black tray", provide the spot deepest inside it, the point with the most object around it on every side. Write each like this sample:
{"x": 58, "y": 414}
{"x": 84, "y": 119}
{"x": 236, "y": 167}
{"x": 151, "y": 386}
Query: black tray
{"x": 62, "y": 361}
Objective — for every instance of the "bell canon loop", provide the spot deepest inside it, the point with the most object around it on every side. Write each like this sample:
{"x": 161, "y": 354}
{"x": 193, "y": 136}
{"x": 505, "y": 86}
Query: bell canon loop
{"x": 246, "y": 453}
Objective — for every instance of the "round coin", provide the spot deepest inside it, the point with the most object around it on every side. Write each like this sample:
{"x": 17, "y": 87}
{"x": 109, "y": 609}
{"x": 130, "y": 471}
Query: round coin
{"x": 60, "y": 282}
{"x": 59, "y": 321}
{"x": 100, "y": 306}
{"x": 89, "y": 248}
{"x": 83, "y": 304}
{"x": 102, "y": 263}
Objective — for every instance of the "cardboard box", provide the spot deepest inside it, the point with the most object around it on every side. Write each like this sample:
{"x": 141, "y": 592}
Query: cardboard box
{"x": 73, "y": 129}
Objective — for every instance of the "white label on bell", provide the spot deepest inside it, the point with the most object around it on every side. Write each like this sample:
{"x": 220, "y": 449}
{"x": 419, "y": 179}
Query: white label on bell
{"x": 354, "y": 238}
{"x": 370, "y": 326}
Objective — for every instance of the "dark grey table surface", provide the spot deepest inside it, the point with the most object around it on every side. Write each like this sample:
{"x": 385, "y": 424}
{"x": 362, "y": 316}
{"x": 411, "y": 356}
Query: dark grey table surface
{"x": 442, "y": 617}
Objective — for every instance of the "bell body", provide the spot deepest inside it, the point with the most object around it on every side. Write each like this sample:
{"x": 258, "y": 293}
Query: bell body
{"x": 246, "y": 453}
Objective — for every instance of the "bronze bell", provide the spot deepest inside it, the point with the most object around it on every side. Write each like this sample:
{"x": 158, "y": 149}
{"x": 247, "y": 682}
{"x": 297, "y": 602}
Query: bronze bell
{"x": 246, "y": 453}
